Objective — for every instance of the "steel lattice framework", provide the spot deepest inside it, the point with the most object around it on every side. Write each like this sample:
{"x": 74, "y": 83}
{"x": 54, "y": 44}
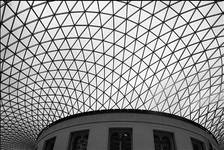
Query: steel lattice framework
{"x": 63, "y": 58}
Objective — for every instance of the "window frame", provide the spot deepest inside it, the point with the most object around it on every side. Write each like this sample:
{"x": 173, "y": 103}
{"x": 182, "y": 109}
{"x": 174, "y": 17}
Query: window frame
{"x": 46, "y": 141}
{"x": 121, "y": 129}
{"x": 195, "y": 140}
{"x": 77, "y": 133}
{"x": 170, "y": 135}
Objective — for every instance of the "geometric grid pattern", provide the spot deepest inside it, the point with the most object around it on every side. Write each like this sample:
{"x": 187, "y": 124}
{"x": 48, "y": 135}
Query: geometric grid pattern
{"x": 63, "y": 58}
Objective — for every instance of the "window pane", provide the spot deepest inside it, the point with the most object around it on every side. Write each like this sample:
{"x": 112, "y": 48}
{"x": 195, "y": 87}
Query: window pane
{"x": 163, "y": 140}
{"x": 197, "y": 144}
{"x": 49, "y": 144}
{"x": 157, "y": 142}
{"x": 120, "y": 138}
{"x": 79, "y": 140}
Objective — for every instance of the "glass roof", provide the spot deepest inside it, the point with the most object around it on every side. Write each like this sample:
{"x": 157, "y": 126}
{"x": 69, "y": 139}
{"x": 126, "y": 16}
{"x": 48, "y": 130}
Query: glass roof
{"x": 63, "y": 58}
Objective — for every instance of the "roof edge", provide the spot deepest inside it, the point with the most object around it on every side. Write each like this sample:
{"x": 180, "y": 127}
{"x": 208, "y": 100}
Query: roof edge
{"x": 89, "y": 113}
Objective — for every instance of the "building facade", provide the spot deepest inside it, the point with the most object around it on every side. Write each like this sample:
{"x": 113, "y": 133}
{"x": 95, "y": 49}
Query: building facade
{"x": 126, "y": 130}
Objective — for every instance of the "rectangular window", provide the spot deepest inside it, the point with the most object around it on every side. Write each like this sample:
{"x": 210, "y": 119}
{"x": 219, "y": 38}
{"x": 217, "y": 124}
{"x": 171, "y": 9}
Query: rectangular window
{"x": 49, "y": 144}
{"x": 79, "y": 140}
{"x": 197, "y": 144}
{"x": 120, "y": 139}
{"x": 163, "y": 140}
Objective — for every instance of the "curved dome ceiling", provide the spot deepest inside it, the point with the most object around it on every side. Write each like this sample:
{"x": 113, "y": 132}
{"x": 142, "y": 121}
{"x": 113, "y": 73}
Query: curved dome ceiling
{"x": 64, "y": 58}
